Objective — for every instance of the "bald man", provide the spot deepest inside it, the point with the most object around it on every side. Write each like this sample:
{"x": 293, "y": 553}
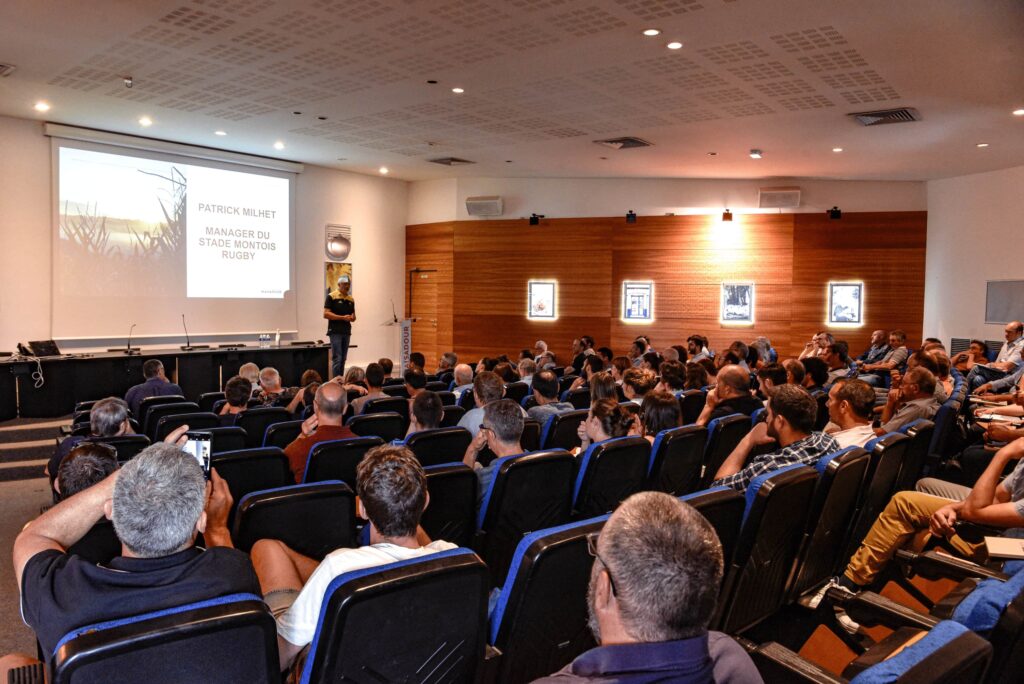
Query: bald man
{"x": 731, "y": 394}
{"x": 324, "y": 425}
{"x": 463, "y": 380}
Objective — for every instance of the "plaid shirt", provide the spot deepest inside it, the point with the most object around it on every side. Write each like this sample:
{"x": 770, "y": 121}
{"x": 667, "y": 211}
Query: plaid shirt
{"x": 805, "y": 451}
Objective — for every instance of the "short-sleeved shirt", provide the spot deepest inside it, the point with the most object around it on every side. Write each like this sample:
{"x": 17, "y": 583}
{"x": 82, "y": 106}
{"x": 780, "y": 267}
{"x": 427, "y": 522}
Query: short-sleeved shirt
{"x": 543, "y": 412}
{"x": 858, "y": 435}
{"x": 911, "y": 411}
{"x": 342, "y": 306}
{"x": 1014, "y": 484}
{"x": 297, "y": 625}
{"x": 154, "y": 387}
{"x": 60, "y": 593}
{"x": 298, "y": 451}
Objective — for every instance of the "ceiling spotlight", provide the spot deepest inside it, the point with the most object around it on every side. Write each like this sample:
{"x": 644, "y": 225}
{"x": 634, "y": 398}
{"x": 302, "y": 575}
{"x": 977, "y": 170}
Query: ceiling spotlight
{"x": 220, "y": 132}
{"x": 674, "y": 45}
{"x": 630, "y": 216}
{"x": 278, "y": 145}
{"x": 535, "y": 219}
{"x": 1018, "y": 112}
{"x": 837, "y": 149}
{"x": 383, "y": 170}
{"x": 652, "y": 32}
{"x": 712, "y": 154}
{"x": 834, "y": 213}
{"x": 42, "y": 106}
{"x": 755, "y": 154}
{"x": 727, "y": 215}
{"x": 458, "y": 91}
{"x": 982, "y": 145}
{"x": 145, "y": 121}
{"x": 128, "y": 81}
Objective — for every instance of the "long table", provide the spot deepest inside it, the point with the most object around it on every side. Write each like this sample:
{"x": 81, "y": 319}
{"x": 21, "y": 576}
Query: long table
{"x": 80, "y": 377}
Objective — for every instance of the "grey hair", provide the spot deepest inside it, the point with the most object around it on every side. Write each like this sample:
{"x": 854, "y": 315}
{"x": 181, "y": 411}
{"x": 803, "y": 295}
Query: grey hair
{"x": 269, "y": 377}
{"x": 107, "y": 416}
{"x": 463, "y": 374}
{"x": 450, "y": 359}
{"x": 666, "y": 563}
{"x": 250, "y": 371}
{"x": 505, "y": 418}
{"x": 541, "y": 344}
{"x": 158, "y": 499}
{"x": 527, "y": 367}
{"x": 670, "y": 354}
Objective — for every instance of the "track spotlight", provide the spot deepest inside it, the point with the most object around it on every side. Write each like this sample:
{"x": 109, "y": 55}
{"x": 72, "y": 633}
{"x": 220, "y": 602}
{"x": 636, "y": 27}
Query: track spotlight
{"x": 727, "y": 215}
{"x": 535, "y": 219}
{"x": 630, "y": 216}
{"x": 834, "y": 213}
{"x": 756, "y": 153}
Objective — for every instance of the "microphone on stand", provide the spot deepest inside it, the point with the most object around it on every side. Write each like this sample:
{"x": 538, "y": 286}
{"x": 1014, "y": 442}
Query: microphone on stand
{"x": 129, "y": 351}
{"x": 394, "y": 312}
{"x": 188, "y": 343}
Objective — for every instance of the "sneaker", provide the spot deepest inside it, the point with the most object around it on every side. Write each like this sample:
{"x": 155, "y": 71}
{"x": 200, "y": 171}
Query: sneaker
{"x": 846, "y": 622}
{"x": 820, "y": 595}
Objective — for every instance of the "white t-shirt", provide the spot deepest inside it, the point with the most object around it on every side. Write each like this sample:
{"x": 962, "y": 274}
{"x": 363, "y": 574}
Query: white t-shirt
{"x": 855, "y": 436}
{"x": 297, "y": 625}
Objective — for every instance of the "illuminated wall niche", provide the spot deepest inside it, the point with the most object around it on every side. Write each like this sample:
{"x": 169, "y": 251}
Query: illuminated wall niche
{"x": 637, "y": 301}
{"x": 542, "y": 300}
{"x": 737, "y": 307}
{"x": 845, "y": 304}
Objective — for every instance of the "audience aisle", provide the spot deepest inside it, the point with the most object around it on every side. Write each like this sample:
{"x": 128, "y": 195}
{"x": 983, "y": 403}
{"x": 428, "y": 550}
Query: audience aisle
{"x": 20, "y": 502}
{"x": 25, "y": 446}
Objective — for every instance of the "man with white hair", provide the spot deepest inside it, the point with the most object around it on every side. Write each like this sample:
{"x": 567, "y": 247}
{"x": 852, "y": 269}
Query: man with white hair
{"x": 271, "y": 391}
{"x": 527, "y": 368}
{"x": 539, "y": 347}
{"x": 463, "y": 379}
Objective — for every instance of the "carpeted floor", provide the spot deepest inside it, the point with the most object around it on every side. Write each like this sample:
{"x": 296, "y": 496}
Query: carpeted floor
{"x": 26, "y": 444}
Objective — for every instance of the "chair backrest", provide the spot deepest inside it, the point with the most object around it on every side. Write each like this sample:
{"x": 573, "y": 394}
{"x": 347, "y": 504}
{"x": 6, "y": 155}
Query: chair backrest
{"x": 226, "y": 438}
{"x": 282, "y": 434}
{"x": 447, "y": 398}
{"x": 920, "y": 433}
{"x": 85, "y": 406}
{"x": 723, "y": 507}
{"x": 252, "y": 470}
{"x": 195, "y": 421}
{"x": 948, "y": 654}
{"x": 436, "y": 386}
{"x": 516, "y": 391}
{"x": 565, "y": 382}
{"x": 255, "y": 421}
{"x": 995, "y": 611}
{"x": 358, "y": 634}
{"x": 219, "y": 404}
{"x": 777, "y": 504}
{"x": 833, "y": 507}
{"x": 399, "y": 405}
{"x": 691, "y": 403}
{"x": 579, "y": 398}
{"x": 609, "y": 472}
{"x": 388, "y": 426}
{"x": 942, "y": 445}
{"x": 821, "y": 417}
{"x": 540, "y": 621}
{"x": 529, "y": 492}
{"x": 530, "y": 439}
{"x": 150, "y": 402}
{"x": 127, "y": 446}
{"x": 313, "y": 519}
{"x": 155, "y": 413}
{"x": 395, "y": 391}
{"x": 337, "y": 459}
{"x": 208, "y": 399}
{"x": 393, "y": 381}
{"x": 676, "y": 458}
{"x": 442, "y": 445}
{"x": 451, "y": 415}
{"x": 466, "y": 400}
{"x": 451, "y": 513}
{"x": 887, "y": 454}
{"x": 559, "y": 432}
{"x": 228, "y": 639}
{"x": 723, "y": 435}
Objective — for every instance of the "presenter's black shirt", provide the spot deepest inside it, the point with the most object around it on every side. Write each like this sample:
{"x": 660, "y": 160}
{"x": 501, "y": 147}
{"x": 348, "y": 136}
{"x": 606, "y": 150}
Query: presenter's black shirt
{"x": 342, "y": 306}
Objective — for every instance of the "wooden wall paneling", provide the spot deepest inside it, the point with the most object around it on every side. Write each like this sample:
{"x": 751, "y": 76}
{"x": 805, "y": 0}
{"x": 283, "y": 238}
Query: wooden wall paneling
{"x": 430, "y": 247}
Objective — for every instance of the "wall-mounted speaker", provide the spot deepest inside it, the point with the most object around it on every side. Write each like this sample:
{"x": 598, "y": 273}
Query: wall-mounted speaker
{"x": 484, "y": 206}
{"x": 337, "y": 242}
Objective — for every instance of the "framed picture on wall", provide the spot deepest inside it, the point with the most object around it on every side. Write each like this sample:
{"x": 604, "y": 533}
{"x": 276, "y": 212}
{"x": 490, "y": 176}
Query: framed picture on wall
{"x": 846, "y": 303}
{"x": 541, "y": 300}
{"x": 737, "y": 304}
{"x": 638, "y": 301}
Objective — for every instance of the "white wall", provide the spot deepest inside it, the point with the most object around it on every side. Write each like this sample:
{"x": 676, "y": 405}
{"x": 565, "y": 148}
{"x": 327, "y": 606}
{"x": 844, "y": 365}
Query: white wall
{"x": 574, "y": 197}
{"x": 974, "y": 235}
{"x": 374, "y": 207}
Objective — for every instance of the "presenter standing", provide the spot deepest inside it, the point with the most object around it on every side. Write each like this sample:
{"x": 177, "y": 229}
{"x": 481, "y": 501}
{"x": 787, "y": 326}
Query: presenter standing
{"x": 340, "y": 311}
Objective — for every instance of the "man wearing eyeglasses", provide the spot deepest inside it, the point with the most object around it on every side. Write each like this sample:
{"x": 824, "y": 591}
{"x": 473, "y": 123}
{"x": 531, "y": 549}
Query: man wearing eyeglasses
{"x": 653, "y": 588}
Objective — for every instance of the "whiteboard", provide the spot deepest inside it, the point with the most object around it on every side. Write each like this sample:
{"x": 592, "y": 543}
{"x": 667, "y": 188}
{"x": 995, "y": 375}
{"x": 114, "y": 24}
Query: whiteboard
{"x": 1004, "y": 301}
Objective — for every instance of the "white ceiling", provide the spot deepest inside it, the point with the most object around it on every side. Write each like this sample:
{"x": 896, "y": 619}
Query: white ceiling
{"x": 542, "y": 80}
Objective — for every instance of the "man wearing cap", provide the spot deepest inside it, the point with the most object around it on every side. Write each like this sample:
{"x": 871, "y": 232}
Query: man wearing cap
{"x": 340, "y": 311}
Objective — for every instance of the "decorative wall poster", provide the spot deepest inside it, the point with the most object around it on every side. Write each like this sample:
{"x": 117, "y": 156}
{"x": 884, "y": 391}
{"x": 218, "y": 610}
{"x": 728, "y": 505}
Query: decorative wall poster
{"x": 334, "y": 272}
{"x": 737, "y": 303}
{"x": 638, "y": 301}
{"x": 846, "y": 303}
{"x": 541, "y": 302}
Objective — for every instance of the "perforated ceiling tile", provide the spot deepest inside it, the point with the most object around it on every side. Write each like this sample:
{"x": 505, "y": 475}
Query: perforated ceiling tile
{"x": 354, "y": 11}
{"x": 376, "y": 75}
{"x": 694, "y": 115}
{"x": 464, "y": 119}
{"x": 665, "y": 65}
{"x": 345, "y": 139}
{"x": 666, "y": 104}
{"x": 619, "y": 111}
{"x": 607, "y": 127}
{"x": 502, "y": 113}
{"x": 498, "y": 127}
{"x": 429, "y": 109}
{"x": 310, "y": 131}
{"x": 127, "y": 56}
{"x": 785, "y": 88}
{"x": 696, "y": 80}
{"x": 279, "y": 101}
{"x": 747, "y": 109}
{"x": 380, "y": 146}
{"x": 228, "y": 115}
{"x": 200, "y": 21}
{"x": 394, "y": 115}
{"x": 359, "y": 46}
{"x": 608, "y": 75}
{"x": 853, "y": 79}
{"x": 341, "y": 85}
{"x": 233, "y": 90}
{"x": 259, "y": 82}
{"x": 265, "y": 41}
{"x": 232, "y": 54}
{"x": 364, "y": 121}
{"x": 309, "y": 26}
{"x": 160, "y": 35}
{"x": 236, "y": 8}
{"x": 732, "y": 52}
{"x": 290, "y": 70}
{"x": 524, "y": 37}
{"x": 724, "y": 96}
{"x": 870, "y": 95}
{"x": 193, "y": 101}
{"x": 809, "y": 39}
{"x": 565, "y": 132}
{"x": 466, "y": 52}
{"x": 415, "y": 30}
{"x": 306, "y": 94}
{"x": 649, "y": 121}
{"x": 142, "y": 92}
{"x": 85, "y": 78}
{"x": 586, "y": 21}
{"x": 760, "y": 71}
{"x": 535, "y": 5}
{"x": 420, "y": 63}
{"x": 804, "y": 102}
{"x": 469, "y": 14}
{"x": 659, "y": 9}
{"x": 401, "y": 129}
{"x": 409, "y": 151}
{"x": 837, "y": 60}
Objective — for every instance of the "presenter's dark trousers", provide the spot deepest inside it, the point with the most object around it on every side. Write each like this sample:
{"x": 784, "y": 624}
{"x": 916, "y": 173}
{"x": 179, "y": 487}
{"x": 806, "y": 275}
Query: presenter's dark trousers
{"x": 339, "y": 352}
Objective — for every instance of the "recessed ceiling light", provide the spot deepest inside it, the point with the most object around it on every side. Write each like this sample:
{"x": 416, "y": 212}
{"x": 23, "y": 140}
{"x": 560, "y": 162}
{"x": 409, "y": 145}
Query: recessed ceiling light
{"x": 837, "y": 149}
{"x": 1018, "y": 112}
{"x": 652, "y": 32}
{"x": 982, "y": 144}
{"x": 42, "y": 106}
{"x": 458, "y": 91}
{"x": 674, "y": 45}
{"x": 220, "y": 132}
{"x": 755, "y": 154}
{"x": 383, "y": 170}
{"x": 278, "y": 145}
{"x": 712, "y": 154}
{"x": 145, "y": 121}
{"x": 432, "y": 81}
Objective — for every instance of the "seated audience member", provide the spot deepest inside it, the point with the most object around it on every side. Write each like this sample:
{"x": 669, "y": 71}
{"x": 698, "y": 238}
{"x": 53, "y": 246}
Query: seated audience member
{"x": 878, "y": 348}
{"x": 730, "y": 395}
{"x": 977, "y": 352}
{"x": 425, "y": 412}
{"x": 374, "y": 378}
{"x": 354, "y": 380}
{"x": 447, "y": 363}
{"x": 546, "y": 361}
{"x": 851, "y": 406}
{"x": 653, "y": 589}
{"x": 753, "y": 359}
{"x": 325, "y": 425}
{"x": 582, "y": 348}
{"x": 505, "y": 372}
{"x": 387, "y": 365}
{"x": 659, "y": 411}
{"x": 636, "y": 383}
{"x": 251, "y": 372}
{"x": 88, "y": 464}
{"x": 606, "y": 355}
{"x": 592, "y": 364}
{"x": 606, "y": 420}
{"x": 818, "y": 346}
{"x": 930, "y": 361}
{"x": 463, "y": 380}
{"x": 789, "y": 423}
{"x": 487, "y": 387}
{"x": 893, "y": 359}
{"x": 237, "y": 392}
{"x": 486, "y": 364}
{"x": 740, "y": 350}
{"x": 1007, "y": 361}
{"x": 913, "y": 398}
{"x": 539, "y": 348}
{"x": 415, "y": 381}
{"x": 764, "y": 349}
{"x": 107, "y": 418}
{"x": 726, "y": 358}
{"x": 527, "y": 369}
{"x": 673, "y": 377}
{"x": 502, "y": 429}
{"x": 308, "y": 382}
{"x": 158, "y": 502}
{"x": 697, "y": 346}
{"x": 619, "y": 365}
{"x": 603, "y": 386}
{"x": 1004, "y": 388}
{"x": 271, "y": 391}
{"x": 637, "y": 351}
{"x": 696, "y": 376}
{"x": 545, "y": 393}
{"x": 670, "y": 354}
{"x": 943, "y": 375}
{"x": 651, "y": 361}
{"x": 837, "y": 357}
{"x": 816, "y": 373}
{"x": 794, "y": 372}
{"x": 770, "y": 377}
{"x": 710, "y": 367}
{"x": 392, "y": 494}
{"x": 156, "y": 385}
{"x": 524, "y": 354}
{"x": 417, "y": 360}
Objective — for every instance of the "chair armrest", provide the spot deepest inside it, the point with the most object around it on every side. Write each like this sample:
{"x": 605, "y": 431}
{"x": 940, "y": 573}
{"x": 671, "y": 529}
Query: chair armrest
{"x": 779, "y": 665}
{"x": 27, "y": 674}
{"x": 869, "y": 608}
{"x": 934, "y": 565}
{"x": 975, "y": 533}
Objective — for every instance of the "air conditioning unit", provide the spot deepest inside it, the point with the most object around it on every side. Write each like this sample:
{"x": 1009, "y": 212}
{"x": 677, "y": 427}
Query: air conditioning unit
{"x": 778, "y": 198}
{"x": 484, "y": 206}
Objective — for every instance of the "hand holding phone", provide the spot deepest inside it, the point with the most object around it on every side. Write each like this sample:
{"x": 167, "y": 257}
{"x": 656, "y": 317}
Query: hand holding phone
{"x": 198, "y": 444}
